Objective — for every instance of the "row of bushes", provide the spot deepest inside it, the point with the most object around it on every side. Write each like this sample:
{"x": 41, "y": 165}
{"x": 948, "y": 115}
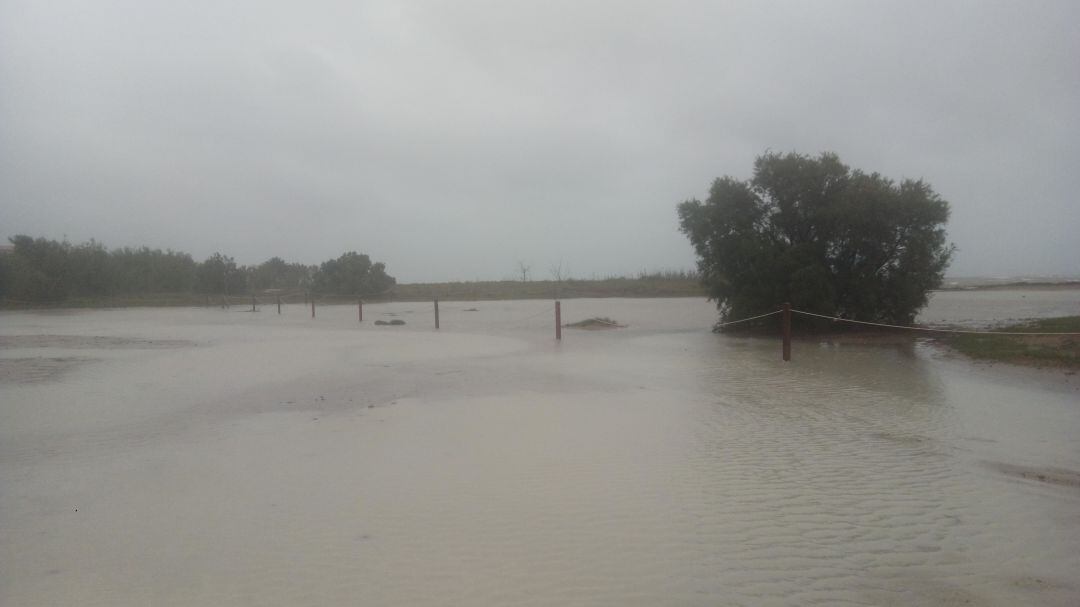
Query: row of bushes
{"x": 47, "y": 271}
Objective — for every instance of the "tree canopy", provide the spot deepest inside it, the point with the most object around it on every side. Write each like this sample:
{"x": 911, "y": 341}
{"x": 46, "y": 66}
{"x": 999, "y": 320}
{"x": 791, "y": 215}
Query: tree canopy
{"x": 42, "y": 270}
{"x": 39, "y": 270}
{"x": 825, "y": 237}
{"x": 276, "y": 273}
{"x": 219, "y": 274}
{"x": 352, "y": 274}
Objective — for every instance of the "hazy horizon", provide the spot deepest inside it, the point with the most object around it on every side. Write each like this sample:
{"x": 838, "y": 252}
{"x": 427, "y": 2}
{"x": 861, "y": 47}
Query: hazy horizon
{"x": 453, "y": 141}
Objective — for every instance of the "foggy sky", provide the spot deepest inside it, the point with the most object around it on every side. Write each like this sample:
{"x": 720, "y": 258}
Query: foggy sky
{"x": 452, "y": 139}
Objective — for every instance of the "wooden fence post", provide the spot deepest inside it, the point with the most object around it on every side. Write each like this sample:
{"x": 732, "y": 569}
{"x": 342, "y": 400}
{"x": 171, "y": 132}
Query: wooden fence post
{"x": 436, "y": 312}
{"x": 558, "y": 320}
{"x": 279, "y": 304}
{"x": 360, "y": 310}
{"x": 787, "y": 331}
{"x": 313, "y": 307}
{"x": 252, "y": 302}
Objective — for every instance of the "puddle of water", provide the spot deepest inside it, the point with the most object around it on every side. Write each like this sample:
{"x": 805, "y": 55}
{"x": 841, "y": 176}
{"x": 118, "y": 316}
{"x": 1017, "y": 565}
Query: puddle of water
{"x": 288, "y": 461}
{"x": 87, "y": 342}
{"x": 37, "y": 370}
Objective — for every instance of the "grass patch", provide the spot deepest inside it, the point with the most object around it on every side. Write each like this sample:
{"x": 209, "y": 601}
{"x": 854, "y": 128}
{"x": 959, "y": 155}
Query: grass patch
{"x": 1033, "y": 350}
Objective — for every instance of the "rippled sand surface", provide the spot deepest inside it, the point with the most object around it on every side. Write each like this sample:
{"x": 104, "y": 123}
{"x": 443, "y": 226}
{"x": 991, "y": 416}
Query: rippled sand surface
{"x": 203, "y": 457}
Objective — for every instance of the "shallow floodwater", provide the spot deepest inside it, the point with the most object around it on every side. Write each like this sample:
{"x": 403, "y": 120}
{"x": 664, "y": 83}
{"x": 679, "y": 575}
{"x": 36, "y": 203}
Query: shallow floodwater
{"x": 210, "y": 457}
{"x": 977, "y": 309}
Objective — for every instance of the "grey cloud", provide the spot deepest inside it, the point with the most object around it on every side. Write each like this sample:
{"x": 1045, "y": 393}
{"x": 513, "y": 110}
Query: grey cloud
{"x": 452, "y": 139}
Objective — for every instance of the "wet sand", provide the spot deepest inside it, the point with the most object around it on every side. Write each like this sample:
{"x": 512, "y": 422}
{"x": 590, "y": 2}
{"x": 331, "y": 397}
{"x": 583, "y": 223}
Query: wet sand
{"x": 196, "y": 456}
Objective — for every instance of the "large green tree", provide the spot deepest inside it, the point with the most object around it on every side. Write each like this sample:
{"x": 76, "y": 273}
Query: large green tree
{"x": 825, "y": 237}
{"x": 219, "y": 274}
{"x": 276, "y": 273}
{"x": 353, "y": 274}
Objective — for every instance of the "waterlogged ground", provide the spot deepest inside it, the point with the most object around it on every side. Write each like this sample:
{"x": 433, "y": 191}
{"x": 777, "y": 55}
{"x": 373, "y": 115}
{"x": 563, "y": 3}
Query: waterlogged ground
{"x": 209, "y": 457}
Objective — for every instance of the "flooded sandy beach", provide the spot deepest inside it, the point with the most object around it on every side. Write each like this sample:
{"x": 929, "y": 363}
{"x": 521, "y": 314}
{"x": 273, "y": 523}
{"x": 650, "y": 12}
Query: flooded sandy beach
{"x": 211, "y": 457}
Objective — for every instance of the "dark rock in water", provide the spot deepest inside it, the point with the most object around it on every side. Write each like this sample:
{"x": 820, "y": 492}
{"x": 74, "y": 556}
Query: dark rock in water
{"x": 394, "y": 322}
{"x": 470, "y": 310}
{"x": 381, "y": 322}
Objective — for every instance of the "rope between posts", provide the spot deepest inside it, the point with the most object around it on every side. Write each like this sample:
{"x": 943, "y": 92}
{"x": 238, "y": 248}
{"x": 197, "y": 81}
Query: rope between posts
{"x": 735, "y": 322}
{"x": 929, "y": 329}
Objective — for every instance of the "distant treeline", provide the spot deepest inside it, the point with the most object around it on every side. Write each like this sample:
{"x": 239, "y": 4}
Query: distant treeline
{"x": 644, "y": 284}
{"x": 49, "y": 271}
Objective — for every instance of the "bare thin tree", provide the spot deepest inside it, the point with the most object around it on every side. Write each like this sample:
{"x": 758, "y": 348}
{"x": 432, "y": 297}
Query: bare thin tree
{"x": 558, "y": 274}
{"x": 525, "y": 269}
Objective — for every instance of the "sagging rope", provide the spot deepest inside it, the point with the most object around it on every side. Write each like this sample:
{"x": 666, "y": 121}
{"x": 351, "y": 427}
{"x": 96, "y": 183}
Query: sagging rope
{"x": 928, "y": 329}
{"x": 735, "y": 322}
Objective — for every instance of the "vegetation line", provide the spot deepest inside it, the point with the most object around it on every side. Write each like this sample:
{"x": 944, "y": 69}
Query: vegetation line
{"x": 1060, "y": 349}
{"x": 51, "y": 273}
{"x": 644, "y": 285}
{"x": 39, "y": 272}
{"x": 916, "y": 328}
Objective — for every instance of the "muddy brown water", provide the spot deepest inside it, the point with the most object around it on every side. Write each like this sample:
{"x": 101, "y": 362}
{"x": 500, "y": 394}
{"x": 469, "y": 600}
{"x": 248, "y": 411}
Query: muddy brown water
{"x": 209, "y": 457}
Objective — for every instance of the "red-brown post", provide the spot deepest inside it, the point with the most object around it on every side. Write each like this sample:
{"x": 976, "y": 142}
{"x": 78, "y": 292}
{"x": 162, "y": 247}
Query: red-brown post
{"x": 436, "y": 312}
{"x": 558, "y": 320}
{"x": 313, "y": 307}
{"x": 787, "y": 331}
{"x": 360, "y": 310}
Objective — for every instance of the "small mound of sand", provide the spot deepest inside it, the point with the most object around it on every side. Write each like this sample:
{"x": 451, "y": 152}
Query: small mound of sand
{"x": 596, "y": 323}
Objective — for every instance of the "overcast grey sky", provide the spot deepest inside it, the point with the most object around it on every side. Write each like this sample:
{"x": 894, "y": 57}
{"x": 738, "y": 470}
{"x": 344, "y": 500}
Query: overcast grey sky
{"x": 452, "y": 139}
